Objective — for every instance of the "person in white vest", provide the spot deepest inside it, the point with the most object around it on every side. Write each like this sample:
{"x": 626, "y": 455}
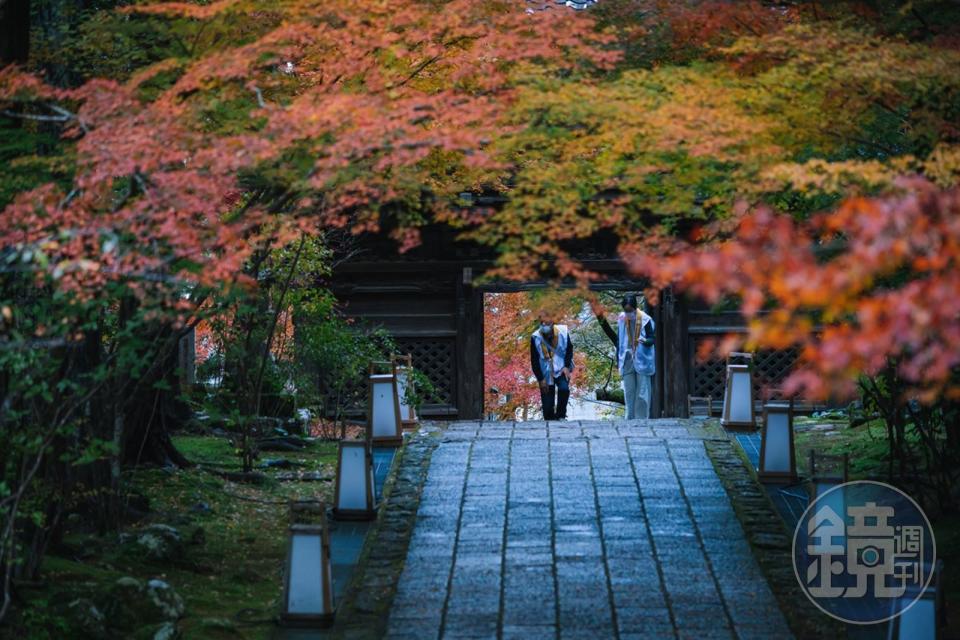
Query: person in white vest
{"x": 636, "y": 355}
{"x": 551, "y": 358}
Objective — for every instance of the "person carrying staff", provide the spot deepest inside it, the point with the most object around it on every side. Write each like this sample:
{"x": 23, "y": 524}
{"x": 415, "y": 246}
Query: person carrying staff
{"x": 636, "y": 355}
{"x": 551, "y": 358}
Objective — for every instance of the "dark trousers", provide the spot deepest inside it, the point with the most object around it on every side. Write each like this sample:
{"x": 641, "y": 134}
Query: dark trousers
{"x": 559, "y": 391}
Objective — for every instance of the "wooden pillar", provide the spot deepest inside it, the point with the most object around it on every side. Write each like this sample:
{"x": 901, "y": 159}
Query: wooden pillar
{"x": 469, "y": 381}
{"x": 674, "y": 323}
{"x": 14, "y": 31}
{"x": 656, "y": 392}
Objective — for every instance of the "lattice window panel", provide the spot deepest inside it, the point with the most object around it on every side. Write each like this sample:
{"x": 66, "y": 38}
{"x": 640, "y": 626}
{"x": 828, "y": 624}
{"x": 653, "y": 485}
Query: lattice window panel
{"x": 769, "y": 370}
{"x": 708, "y": 378}
{"x": 772, "y": 367}
{"x": 354, "y": 397}
{"x": 435, "y": 358}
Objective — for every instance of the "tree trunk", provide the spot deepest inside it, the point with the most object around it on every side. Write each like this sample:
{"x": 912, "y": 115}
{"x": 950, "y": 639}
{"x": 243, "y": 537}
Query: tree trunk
{"x": 154, "y": 410}
{"x": 147, "y": 435}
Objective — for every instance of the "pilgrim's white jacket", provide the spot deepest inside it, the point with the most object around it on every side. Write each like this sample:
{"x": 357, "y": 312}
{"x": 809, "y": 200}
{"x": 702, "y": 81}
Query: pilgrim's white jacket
{"x": 644, "y": 356}
{"x": 559, "y": 354}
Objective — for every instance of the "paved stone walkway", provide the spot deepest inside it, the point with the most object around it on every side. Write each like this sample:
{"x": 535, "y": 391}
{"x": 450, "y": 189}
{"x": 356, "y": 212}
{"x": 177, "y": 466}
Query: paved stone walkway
{"x": 616, "y": 529}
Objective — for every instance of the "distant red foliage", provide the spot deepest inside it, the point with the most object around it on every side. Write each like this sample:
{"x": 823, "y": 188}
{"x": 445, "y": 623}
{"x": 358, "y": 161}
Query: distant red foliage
{"x": 889, "y": 294}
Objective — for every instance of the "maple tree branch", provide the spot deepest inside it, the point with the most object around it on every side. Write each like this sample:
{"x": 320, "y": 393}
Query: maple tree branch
{"x": 816, "y": 12}
{"x": 346, "y": 257}
{"x": 63, "y": 112}
{"x": 426, "y": 63}
{"x": 419, "y": 68}
{"x": 869, "y": 143}
{"x": 178, "y": 40}
{"x": 63, "y": 115}
{"x": 260, "y": 101}
{"x": 39, "y": 117}
{"x": 146, "y": 276}
{"x": 127, "y": 194}
{"x": 40, "y": 343}
{"x": 196, "y": 38}
{"x": 138, "y": 177}
{"x": 276, "y": 318}
{"x": 69, "y": 197}
{"x": 923, "y": 22}
{"x": 746, "y": 26}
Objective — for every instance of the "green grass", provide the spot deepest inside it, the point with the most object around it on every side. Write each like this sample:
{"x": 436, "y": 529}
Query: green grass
{"x": 238, "y": 566}
{"x": 866, "y": 446}
{"x": 206, "y": 449}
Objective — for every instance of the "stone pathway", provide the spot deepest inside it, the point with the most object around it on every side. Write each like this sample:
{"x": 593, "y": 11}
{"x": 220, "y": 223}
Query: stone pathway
{"x": 614, "y": 529}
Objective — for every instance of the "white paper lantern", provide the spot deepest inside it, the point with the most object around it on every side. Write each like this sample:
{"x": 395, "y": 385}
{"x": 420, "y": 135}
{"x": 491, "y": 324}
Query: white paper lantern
{"x": 821, "y": 480}
{"x": 354, "y": 491}
{"x": 383, "y": 409}
{"x": 403, "y": 368}
{"x": 777, "y": 458}
{"x": 308, "y": 581}
{"x": 738, "y": 399}
{"x": 921, "y": 621}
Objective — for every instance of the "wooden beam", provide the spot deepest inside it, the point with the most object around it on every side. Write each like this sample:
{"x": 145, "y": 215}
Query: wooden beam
{"x": 717, "y": 329}
{"x": 605, "y": 265}
{"x": 606, "y": 285}
{"x": 424, "y": 333}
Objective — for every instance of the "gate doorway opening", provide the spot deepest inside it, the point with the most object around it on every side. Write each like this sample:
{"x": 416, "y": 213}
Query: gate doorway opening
{"x": 434, "y": 310}
{"x": 509, "y": 320}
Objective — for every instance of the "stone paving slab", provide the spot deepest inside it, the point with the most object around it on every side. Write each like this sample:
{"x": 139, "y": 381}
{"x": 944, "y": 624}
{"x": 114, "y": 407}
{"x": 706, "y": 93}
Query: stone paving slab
{"x": 599, "y": 529}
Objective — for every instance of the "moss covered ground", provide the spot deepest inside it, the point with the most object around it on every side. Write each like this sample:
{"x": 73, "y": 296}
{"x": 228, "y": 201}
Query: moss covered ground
{"x": 229, "y": 572}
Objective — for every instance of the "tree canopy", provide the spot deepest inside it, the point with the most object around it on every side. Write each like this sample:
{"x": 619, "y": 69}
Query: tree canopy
{"x": 668, "y": 126}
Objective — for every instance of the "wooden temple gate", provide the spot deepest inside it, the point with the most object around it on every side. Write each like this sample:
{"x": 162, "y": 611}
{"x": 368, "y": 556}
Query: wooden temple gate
{"x": 432, "y": 305}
